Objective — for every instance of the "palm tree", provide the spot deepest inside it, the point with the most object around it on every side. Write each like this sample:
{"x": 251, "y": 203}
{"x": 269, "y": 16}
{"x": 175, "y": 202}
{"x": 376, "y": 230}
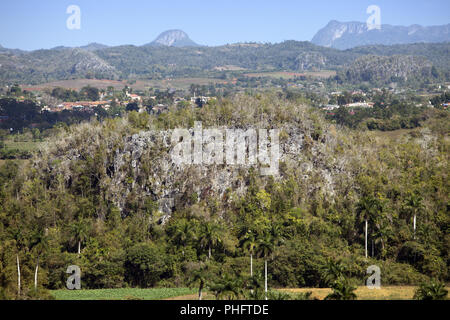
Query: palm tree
{"x": 183, "y": 233}
{"x": 265, "y": 250}
{"x": 381, "y": 235}
{"x": 255, "y": 284}
{"x": 228, "y": 288}
{"x": 415, "y": 205}
{"x": 367, "y": 209}
{"x": 333, "y": 271}
{"x": 18, "y": 274}
{"x": 79, "y": 230}
{"x": 200, "y": 276}
{"x": 39, "y": 245}
{"x": 20, "y": 242}
{"x": 276, "y": 231}
{"x": 342, "y": 290}
{"x": 434, "y": 290}
{"x": 210, "y": 236}
{"x": 249, "y": 243}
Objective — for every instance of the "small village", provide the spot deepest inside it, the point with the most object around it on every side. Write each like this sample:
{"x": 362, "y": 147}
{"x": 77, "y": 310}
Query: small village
{"x": 51, "y": 101}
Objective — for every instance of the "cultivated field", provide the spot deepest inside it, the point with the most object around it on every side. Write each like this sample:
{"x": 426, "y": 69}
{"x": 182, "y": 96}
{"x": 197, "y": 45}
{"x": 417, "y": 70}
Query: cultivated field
{"x": 21, "y": 145}
{"x": 121, "y": 294}
{"x": 363, "y": 293}
{"x": 179, "y": 83}
{"x": 77, "y": 84}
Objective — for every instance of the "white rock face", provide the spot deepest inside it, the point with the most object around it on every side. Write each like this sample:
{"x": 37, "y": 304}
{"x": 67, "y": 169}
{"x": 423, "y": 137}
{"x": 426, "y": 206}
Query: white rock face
{"x": 168, "y": 39}
{"x": 173, "y": 38}
{"x": 346, "y": 35}
{"x": 140, "y": 166}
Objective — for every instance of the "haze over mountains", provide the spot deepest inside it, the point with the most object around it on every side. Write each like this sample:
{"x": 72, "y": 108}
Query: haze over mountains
{"x": 345, "y": 35}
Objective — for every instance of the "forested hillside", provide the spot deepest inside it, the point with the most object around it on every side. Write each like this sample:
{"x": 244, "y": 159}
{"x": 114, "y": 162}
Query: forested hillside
{"x": 105, "y": 196}
{"x": 436, "y": 53}
{"x": 154, "y": 62}
{"x": 383, "y": 70}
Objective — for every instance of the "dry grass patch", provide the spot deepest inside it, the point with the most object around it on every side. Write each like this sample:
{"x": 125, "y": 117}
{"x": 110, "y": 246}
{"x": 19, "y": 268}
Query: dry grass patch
{"x": 364, "y": 293}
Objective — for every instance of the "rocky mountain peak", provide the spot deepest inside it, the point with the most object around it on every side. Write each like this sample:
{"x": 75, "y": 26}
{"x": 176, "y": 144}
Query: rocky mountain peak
{"x": 173, "y": 38}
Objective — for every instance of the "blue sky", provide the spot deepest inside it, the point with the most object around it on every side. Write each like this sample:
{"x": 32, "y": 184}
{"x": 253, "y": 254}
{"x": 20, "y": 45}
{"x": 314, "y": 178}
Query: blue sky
{"x": 39, "y": 24}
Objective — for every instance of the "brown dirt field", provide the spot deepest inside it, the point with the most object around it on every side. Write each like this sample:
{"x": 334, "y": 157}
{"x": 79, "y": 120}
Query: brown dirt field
{"x": 77, "y": 84}
{"x": 364, "y": 293}
{"x": 290, "y": 75}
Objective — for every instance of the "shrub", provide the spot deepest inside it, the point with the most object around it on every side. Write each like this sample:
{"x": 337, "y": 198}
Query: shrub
{"x": 433, "y": 290}
{"x": 145, "y": 264}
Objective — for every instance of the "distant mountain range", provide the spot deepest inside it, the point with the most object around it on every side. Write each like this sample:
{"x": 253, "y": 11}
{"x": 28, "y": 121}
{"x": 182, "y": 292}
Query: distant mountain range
{"x": 6, "y": 50}
{"x": 338, "y": 35}
{"x": 169, "y": 38}
{"x": 345, "y": 35}
{"x": 90, "y": 47}
{"x": 174, "y": 54}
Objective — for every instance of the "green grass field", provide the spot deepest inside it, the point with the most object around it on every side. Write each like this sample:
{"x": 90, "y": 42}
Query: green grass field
{"x": 121, "y": 294}
{"x": 178, "y": 83}
{"x": 21, "y": 145}
{"x": 291, "y": 75}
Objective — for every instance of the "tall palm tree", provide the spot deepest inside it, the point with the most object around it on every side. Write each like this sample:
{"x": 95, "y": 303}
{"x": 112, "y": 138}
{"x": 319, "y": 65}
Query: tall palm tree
{"x": 210, "y": 236}
{"x": 18, "y": 274}
{"x": 183, "y": 234}
{"x": 201, "y": 277}
{"x": 39, "y": 245}
{"x": 265, "y": 250}
{"x": 367, "y": 209}
{"x": 20, "y": 242}
{"x": 381, "y": 234}
{"x": 276, "y": 232}
{"x": 415, "y": 205}
{"x": 79, "y": 230}
{"x": 249, "y": 243}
